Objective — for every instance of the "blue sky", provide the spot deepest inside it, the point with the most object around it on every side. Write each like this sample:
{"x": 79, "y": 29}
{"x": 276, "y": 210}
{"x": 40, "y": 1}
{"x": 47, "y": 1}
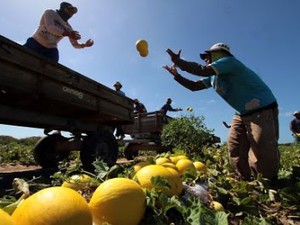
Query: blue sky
{"x": 263, "y": 34}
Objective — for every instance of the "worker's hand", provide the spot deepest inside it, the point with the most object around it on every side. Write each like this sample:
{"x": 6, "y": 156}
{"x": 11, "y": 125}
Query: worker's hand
{"x": 72, "y": 34}
{"x": 174, "y": 57}
{"x": 172, "y": 70}
{"x": 75, "y": 35}
{"x": 179, "y": 109}
{"x": 226, "y": 125}
{"x": 89, "y": 43}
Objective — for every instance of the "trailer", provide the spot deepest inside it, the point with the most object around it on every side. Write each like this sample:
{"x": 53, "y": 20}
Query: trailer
{"x": 36, "y": 92}
{"x": 145, "y": 133}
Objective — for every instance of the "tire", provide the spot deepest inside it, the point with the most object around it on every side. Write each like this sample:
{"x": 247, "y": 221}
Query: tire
{"x": 44, "y": 151}
{"x": 129, "y": 152}
{"x": 101, "y": 146}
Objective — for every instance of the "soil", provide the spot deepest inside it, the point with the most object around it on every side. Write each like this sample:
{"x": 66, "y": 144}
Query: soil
{"x": 15, "y": 167}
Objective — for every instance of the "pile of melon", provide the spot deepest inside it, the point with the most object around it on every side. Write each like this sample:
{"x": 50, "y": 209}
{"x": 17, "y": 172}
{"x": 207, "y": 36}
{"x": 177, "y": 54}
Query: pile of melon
{"x": 114, "y": 201}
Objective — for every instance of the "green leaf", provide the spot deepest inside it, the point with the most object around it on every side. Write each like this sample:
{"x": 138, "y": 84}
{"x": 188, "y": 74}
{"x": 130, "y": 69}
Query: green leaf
{"x": 160, "y": 183}
{"x": 199, "y": 214}
{"x": 251, "y": 220}
{"x": 246, "y": 201}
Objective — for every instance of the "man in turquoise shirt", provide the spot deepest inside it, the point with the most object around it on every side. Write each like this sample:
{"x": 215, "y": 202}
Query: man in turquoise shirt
{"x": 253, "y": 136}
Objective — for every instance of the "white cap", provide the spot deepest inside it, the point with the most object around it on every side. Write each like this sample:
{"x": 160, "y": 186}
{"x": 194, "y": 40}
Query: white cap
{"x": 296, "y": 113}
{"x": 216, "y": 47}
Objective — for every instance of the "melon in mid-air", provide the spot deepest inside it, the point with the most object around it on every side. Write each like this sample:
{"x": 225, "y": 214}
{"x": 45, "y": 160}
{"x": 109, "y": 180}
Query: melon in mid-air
{"x": 142, "y": 47}
{"x": 190, "y": 109}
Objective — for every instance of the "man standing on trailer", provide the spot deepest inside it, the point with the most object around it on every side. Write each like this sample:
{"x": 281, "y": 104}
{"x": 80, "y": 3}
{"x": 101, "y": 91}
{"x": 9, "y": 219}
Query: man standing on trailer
{"x": 167, "y": 107}
{"x": 53, "y": 27}
{"x": 119, "y": 131}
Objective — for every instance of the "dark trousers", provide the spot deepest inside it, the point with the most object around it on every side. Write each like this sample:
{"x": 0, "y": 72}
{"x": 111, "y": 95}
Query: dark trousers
{"x": 119, "y": 131}
{"x": 50, "y": 53}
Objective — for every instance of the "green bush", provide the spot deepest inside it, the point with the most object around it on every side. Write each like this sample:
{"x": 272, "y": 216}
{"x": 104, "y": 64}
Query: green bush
{"x": 188, "y": 133}
{"x": 14, "y": 150}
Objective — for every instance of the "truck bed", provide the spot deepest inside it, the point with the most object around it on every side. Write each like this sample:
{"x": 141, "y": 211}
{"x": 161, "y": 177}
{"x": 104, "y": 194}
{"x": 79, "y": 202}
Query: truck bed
{"x": 151, "y": 122}
{"x": 36, "y": 92}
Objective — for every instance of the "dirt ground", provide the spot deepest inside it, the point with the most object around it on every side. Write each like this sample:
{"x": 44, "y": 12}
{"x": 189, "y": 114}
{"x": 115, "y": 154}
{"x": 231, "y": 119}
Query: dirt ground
{"x": 15, "y": 167}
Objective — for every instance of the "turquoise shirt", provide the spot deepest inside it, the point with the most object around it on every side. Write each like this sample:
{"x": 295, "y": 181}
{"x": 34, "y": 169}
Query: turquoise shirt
{"x": 239, "y": 86}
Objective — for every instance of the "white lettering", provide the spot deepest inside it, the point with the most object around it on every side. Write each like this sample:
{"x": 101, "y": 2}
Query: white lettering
{"x": 72, "y": 92}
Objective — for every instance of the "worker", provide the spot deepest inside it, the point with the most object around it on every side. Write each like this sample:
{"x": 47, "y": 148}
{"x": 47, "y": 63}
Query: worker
{"x": 295, "y": 126}
{"x": 119, "y": 131}
{"x": 53, "y": 27}
{"x": 139, "y": 108}
{"x": 253, "y": 136}
{"x": 167, "y": 107}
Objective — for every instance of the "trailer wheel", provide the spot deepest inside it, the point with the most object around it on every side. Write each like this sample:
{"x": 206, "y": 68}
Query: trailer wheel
{"x": 101, "y": 146}
{"x": 129, "y": 151}
{"x": 44, "y": 151}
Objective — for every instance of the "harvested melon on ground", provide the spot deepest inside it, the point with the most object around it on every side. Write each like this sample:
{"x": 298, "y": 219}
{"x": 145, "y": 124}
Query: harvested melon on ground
{"x": 140, "y": 165}
{"x": 5, "y": 218}
{"x": 162, "y": 160}
{"x": 53, "y": 206}
{"x": 184, "y": 165}
{"x": 200, "y": 166}
{"x": 171, "y": 165}
{"x": 118, "y": 201}
{"x": 145, "y": 175}
{"x": 79, "y": 182}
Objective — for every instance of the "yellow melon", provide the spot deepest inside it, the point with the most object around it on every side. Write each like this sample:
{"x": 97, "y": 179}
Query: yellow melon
{"x": 5, "y": 218}
{"x": 217, "y": 206}
{"x": 144, "y": 53}
{"x": 169, "y": 164}
{"x": 179, "y": 186}
{"x": 162, "y": 160}
{"x": 118, "y": 201}
{"x": 53, "y": 206}
{"x": 144, "y": 175}
{"x": 140, "y": 165}
{"x": 174, "y": 159}
{"x": 78, "y": 182}
{"x": 200, "y": 166}
{"x": 184, "y": 165}
{"x": 141, "y": 45}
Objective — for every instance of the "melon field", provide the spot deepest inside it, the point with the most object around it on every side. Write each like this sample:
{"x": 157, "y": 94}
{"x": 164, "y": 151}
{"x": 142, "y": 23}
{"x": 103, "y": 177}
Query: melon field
{"x": 181, "y": 187}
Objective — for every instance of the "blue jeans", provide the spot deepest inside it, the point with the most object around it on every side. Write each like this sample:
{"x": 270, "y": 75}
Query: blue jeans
{"x": 50, "y": 53}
